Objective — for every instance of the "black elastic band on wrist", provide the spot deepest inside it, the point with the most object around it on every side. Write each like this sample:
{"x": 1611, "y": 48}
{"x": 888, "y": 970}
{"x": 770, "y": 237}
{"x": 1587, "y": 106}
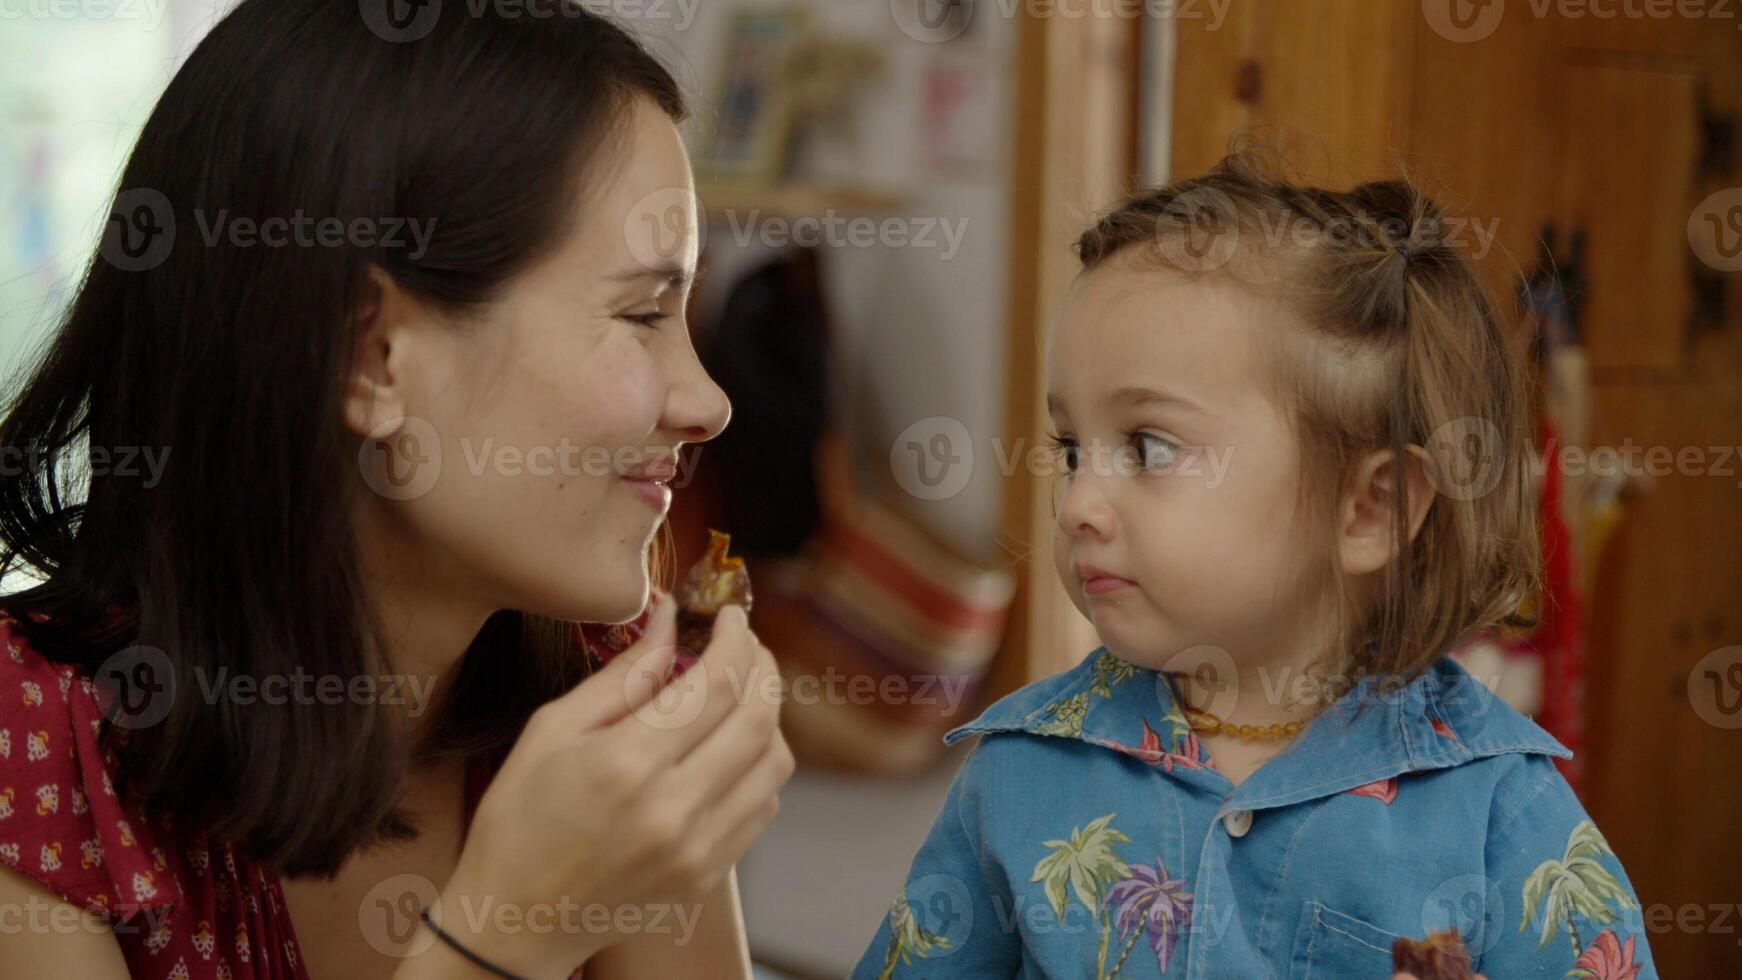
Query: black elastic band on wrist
{"x": 480, "y": 961}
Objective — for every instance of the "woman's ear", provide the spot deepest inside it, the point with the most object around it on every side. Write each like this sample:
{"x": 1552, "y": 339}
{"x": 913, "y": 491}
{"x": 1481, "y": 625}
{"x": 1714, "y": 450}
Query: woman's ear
{"x": 374, "y": 391}
{"x": 1366, "y": 535}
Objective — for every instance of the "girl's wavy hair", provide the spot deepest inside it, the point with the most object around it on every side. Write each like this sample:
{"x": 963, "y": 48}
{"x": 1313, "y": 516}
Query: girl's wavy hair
{"x": 1402, "y": 348}
{"x": 230, "y": 364}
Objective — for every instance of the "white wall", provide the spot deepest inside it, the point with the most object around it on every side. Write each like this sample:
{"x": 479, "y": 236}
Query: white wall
{"x": 918, "y": 334}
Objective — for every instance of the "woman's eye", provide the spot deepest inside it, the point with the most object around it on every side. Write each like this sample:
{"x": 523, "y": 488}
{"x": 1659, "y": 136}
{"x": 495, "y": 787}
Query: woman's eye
{"x": 653, "y": 319}
{"x": 1154, "y": 452}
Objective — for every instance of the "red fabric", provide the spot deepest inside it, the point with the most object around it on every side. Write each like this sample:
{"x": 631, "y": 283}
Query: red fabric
{"x": 183, "y": 907}
{"x": 1559, "y": 635}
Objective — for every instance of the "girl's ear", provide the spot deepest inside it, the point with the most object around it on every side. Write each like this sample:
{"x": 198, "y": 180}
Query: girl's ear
{"x": 1366, "y": 535}
{"x": 374, "y": 390}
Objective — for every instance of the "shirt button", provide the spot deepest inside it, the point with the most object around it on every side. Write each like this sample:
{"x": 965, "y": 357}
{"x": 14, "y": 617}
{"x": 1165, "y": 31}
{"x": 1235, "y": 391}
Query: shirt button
{"x": 1237, "y": 822}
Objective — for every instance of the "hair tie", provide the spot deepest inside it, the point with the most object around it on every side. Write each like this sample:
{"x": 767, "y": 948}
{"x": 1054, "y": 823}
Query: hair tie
{"x": 1408, "y": 253}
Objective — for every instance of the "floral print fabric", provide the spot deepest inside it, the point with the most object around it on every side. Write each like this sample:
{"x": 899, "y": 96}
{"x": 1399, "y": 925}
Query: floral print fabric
{"x": 181, "y": 906}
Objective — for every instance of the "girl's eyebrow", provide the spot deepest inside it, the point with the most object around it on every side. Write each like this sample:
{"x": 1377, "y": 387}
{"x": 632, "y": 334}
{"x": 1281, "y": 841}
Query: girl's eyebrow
{"x": 1136, "y": 395}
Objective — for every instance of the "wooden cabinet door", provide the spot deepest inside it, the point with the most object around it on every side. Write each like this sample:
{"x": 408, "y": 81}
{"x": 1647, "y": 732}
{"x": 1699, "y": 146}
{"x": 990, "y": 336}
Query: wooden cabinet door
{"x": 1628, "y": 169}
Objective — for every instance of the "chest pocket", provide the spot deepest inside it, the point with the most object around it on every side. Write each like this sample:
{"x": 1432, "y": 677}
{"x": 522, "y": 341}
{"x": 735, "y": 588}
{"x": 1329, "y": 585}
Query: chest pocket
{"x": 1333, "y": 946}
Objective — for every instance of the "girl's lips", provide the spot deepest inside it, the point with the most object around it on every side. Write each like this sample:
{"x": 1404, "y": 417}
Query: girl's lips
{"x": 1105, "y": 583}
{"x": 652, "y": 493}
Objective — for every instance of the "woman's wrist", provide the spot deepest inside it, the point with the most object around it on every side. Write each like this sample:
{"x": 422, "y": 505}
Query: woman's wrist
{"x": 471, "y": 919}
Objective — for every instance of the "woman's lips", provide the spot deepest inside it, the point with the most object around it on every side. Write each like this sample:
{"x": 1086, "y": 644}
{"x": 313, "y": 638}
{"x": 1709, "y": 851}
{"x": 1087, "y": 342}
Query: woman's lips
{"x": 651, "y": 492}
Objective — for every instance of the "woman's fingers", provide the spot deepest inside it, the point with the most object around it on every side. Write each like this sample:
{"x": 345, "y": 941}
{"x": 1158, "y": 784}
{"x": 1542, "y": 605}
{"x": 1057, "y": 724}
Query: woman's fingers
{"x": 742, "y": 738}
{"x": 751, "y": 805}
{"x": 688, "y": 710}
{"x": 632, "y": 679}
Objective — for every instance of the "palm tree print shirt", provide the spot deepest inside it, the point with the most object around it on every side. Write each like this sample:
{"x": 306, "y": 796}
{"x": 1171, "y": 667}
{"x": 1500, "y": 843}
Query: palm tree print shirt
{"x": 1089, "y": 835}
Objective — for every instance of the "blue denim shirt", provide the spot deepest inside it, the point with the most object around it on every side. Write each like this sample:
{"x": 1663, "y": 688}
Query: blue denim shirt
{"x": 1088, "y": 835}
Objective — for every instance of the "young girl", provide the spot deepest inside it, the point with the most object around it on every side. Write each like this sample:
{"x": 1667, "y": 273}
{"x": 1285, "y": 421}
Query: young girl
{"x": 1292, "y": 427}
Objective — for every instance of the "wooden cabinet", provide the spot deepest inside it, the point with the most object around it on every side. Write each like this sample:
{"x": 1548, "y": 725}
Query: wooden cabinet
{"x": 1628, "y": 165}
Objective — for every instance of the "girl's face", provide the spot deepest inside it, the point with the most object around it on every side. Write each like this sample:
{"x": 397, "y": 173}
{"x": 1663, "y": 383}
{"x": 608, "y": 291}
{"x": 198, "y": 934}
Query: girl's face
{"x": 1185, "y": 474}
{"x": 578, "y": 379}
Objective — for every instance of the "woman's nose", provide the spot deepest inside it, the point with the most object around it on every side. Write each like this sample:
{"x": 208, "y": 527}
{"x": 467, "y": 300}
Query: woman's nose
{"x": 698, "y": 409}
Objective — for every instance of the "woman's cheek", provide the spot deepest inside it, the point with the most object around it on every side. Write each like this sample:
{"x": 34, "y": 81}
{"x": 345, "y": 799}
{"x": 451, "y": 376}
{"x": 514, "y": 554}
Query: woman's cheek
{"x": 621, "y": 393}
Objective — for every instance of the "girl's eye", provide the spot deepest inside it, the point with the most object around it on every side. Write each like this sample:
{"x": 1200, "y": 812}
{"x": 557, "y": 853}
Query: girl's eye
{"x": 653, "y": 319}
{"x": 1064, "y": 450}
{"x": 1154, "y": 452}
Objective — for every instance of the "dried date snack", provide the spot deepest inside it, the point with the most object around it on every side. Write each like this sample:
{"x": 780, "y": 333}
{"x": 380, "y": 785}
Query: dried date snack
{"x": 1441, "y": 956}
{"x": 714, "y": 582}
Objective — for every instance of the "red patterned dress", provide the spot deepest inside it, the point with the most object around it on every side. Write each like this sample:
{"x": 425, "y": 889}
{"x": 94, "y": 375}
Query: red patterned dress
{"x": 182, "y": 906}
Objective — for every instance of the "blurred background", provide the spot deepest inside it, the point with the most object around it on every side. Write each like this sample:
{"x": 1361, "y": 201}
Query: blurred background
{"x": 891, "y": 187}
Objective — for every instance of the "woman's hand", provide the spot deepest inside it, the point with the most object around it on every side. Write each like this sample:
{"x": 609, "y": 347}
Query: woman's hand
{"x": 621, "y": 801}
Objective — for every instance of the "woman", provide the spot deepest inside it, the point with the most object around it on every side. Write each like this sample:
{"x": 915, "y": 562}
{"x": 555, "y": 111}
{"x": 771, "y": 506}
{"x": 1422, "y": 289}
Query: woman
{"x": 379, "y": 374}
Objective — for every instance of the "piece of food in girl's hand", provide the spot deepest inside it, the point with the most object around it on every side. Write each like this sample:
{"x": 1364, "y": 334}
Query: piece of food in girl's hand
{"x": 716, "y": 581}
{"x": 1441, "y": 956}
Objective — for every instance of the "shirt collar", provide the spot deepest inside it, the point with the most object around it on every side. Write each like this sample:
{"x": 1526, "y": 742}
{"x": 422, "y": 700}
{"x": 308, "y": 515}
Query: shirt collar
{"x": 1376, "y": 731}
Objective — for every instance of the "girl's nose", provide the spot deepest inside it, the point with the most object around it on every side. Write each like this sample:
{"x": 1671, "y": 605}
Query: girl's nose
{"x": 1084, "y": 511}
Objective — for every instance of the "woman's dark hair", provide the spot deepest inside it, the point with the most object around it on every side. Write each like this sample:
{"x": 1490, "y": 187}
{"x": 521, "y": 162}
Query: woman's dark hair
{"x": 229, "y": 363}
